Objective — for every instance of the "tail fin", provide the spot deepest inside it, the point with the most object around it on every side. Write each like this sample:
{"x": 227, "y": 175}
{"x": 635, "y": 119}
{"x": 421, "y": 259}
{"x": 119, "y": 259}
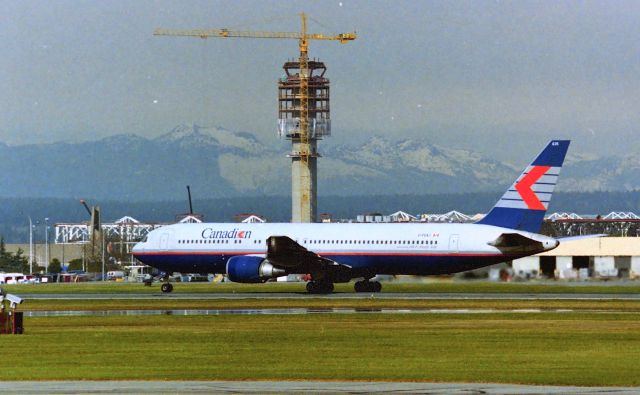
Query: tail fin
{"x": 523, "y": 206}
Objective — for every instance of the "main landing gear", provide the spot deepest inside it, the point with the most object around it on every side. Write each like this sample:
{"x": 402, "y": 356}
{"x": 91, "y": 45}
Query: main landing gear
{"x": 367, "y": 286}
{"x": 166, "y": 286}
{"x": 319, "y": 287}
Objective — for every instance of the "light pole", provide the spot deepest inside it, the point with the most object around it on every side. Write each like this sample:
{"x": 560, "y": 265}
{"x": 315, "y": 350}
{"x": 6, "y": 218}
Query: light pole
{"x": 102, "y": 237}
{"x": 30, "y": 246}
{"x": 46, "y": 244}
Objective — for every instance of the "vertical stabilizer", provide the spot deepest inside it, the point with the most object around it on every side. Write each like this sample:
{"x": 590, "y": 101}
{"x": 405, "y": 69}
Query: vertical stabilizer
{"x": 523, "y": 206}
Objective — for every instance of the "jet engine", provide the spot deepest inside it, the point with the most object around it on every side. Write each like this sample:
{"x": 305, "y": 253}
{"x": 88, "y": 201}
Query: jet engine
{"x": 251, "y": 269}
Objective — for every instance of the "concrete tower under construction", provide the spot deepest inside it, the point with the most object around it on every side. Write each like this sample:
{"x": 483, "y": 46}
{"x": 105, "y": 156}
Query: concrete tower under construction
{"x": 303, "y": 118}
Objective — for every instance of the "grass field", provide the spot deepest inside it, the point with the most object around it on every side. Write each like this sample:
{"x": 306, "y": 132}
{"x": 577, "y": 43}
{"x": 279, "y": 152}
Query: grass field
{"x": 564, "y": 349}
{"x": 597, "y": 344}
{"x": 428, "y": 287}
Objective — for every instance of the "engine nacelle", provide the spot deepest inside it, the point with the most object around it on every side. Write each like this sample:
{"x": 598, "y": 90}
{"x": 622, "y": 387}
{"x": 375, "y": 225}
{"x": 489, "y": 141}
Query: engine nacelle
{"x": 251, "y": 269}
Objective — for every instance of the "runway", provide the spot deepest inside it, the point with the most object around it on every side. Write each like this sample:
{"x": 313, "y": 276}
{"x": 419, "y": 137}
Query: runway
{"x": 390, "y": 296}
{"x": 289, "y": 387}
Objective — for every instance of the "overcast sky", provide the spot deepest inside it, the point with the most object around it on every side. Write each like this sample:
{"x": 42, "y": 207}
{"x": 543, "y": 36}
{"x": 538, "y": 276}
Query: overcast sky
{"x": 451, "y": 71}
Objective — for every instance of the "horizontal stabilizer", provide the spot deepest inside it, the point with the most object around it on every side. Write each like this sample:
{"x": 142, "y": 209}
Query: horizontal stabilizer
{"x": 515, "y": 241}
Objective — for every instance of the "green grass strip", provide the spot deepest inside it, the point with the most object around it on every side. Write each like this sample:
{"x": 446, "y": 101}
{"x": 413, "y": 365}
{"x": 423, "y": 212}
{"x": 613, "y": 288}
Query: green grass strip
{"x": 568, "y": 349}
{"x": 321, "y": 303}
{"x": 426, "y": 287}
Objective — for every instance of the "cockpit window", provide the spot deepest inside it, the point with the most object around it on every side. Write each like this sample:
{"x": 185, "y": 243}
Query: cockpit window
{"x": 144, "y": 239}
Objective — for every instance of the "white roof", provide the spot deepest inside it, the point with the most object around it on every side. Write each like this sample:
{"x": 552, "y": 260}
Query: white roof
{"x": 253, "y": 219}
{"x": 127, "y": 220}
{"x": 190, "y": 219}
{"x": 563, "y": 215}
{"x": 621, "y": 215}
{"x": 402, "y": 216}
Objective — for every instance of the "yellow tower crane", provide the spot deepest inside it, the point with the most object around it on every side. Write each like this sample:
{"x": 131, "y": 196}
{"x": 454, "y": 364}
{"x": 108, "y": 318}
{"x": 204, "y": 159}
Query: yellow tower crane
{"x": 303, "y": 38}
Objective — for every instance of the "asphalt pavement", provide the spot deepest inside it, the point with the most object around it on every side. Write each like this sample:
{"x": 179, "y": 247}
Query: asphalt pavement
{"x": 291, "y": 387}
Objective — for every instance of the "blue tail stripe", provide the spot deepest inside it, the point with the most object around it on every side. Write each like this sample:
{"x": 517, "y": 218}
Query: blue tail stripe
{"x": 515, "y": 218}
{"x": 553, "y": 154}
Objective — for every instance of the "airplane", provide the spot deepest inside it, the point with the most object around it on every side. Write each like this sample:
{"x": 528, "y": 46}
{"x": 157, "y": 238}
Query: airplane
{"x": 340, "y": 252}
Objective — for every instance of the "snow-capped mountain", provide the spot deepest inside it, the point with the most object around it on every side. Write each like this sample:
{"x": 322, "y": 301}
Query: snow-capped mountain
{"x": 218, "y": 162}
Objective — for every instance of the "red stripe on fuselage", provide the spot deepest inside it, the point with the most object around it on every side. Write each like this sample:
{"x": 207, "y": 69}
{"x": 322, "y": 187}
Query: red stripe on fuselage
{"x": 324, "y": 254}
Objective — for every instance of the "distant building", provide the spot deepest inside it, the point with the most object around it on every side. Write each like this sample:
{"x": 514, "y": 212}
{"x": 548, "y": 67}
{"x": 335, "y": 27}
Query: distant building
{"x": 451, "y": 216}
{"x": 602, "y": 257}
{"x": 126, "y": 229}
{"x": 401, "y": 216}
{"x": 617, "y": 223}
{"x": 63, "y": 252}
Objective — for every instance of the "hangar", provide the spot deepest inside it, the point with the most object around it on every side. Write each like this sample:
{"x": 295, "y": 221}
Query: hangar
{"x": 602, "y": 257}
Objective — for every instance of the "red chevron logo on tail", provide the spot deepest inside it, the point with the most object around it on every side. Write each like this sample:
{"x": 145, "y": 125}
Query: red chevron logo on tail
{"x": 524, "y": 187}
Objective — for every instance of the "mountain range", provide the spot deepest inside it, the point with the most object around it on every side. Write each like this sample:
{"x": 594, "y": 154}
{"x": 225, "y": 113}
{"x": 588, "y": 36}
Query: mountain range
{"x": 220, "y": 163}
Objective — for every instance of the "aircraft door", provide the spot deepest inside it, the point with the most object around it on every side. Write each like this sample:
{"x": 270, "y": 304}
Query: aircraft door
{"x": 453, "y": 244}
{"x": 164, "y": 242}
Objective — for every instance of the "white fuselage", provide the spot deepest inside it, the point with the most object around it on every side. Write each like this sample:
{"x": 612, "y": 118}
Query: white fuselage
{"x": 397, "y": 248}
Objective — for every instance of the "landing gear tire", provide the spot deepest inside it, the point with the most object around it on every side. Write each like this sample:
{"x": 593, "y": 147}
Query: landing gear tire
{"x": 314, "y": 287}
{"x": 166, "y": 288}
{"x": 367, "y": 286}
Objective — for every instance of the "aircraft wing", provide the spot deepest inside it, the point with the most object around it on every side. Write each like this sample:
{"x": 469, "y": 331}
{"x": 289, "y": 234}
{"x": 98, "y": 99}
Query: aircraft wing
{"x": 284, "y": 252}
{"x": 513, "y": 241}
